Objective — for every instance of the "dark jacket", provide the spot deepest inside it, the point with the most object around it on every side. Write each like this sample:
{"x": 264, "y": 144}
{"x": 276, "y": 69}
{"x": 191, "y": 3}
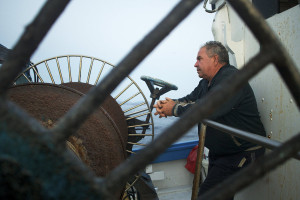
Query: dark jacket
{"x": 239, "y": 112}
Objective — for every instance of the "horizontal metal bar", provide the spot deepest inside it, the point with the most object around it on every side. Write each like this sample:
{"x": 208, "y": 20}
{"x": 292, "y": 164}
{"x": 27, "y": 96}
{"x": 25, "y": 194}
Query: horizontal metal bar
{"x": 139, "y": 125}
{"x": 140, "y": 134}
{"x": 139, "y": 111}
{"x": 251, "y": 137}
{"x": 123, "y": 91}
{"x": 130, "y": 152}
{"x": 138, "y": 116}
{"x": 130, "y": 98}
{"x": 134, "y": 107}
{"x": 141, "y": 144}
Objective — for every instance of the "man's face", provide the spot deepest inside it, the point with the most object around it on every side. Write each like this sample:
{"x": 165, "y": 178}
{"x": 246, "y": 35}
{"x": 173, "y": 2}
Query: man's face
{"x": 204, "y": 64}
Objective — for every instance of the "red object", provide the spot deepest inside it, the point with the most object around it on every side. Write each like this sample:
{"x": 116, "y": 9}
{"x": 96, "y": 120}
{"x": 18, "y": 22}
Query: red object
{"x": 191, "y": 160}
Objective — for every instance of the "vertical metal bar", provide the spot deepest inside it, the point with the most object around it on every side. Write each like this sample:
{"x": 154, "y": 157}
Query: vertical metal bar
{"x": 59, "y": 71}
{"x": 90, "y": 70}
{"x": 100, "y": 72}
{"x": 200, "y": 150}
{"x": 49, "y": 72}
{"x": 36, "y": 72}
{"x": 148, "y": 116}
{"x": 80, "y": 68}
{"x": 69, "y": 68}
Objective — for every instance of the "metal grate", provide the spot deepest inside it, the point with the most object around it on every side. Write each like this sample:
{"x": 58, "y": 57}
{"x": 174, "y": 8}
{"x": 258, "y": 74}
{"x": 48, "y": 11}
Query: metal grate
{"x": 24, "y": 129}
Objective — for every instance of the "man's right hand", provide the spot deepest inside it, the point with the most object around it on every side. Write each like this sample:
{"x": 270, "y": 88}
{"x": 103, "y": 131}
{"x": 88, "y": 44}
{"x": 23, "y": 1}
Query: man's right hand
{"x": 164, "y": 107}
{"x": 158, "y": 107}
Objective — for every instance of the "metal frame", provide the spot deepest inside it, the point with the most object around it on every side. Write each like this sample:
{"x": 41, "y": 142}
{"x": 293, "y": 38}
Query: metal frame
{"x": 16, "y": 121}
{"x": 61, "y": 62}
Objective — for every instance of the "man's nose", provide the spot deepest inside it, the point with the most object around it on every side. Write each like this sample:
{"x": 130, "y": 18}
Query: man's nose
{"x": 196, "y": 64}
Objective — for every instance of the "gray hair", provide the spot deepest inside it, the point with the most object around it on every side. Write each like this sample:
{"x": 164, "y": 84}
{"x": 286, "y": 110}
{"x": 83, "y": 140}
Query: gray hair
{"x": 216, "y": 48}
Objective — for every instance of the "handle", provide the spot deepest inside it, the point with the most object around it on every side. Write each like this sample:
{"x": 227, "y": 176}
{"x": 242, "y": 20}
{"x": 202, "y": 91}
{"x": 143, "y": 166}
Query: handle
{"x": 156, "y": 93}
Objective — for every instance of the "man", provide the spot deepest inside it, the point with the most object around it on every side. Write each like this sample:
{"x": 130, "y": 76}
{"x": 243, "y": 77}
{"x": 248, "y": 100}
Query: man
{"x": 227, "y": 154}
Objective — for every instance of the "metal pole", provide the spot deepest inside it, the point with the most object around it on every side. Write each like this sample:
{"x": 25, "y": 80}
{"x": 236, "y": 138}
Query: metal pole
{"x": 251, "y": 137}
{"x": 197, "y": 176}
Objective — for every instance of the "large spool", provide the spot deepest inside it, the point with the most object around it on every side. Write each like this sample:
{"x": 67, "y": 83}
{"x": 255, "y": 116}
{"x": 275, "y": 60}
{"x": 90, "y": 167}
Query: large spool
{"x": 101, "y": 140}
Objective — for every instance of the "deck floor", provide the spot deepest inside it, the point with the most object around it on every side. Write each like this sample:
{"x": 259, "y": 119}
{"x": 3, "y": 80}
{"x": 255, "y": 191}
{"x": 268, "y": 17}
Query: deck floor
{"x": 182, "y": 192}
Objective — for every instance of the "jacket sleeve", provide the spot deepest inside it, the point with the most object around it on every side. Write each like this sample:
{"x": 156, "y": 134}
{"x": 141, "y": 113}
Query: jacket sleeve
{"x": 184, "y": 103}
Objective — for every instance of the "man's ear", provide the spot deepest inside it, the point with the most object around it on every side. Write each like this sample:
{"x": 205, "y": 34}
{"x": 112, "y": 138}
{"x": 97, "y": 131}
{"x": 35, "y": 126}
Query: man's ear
{"x": 216, "y": 59}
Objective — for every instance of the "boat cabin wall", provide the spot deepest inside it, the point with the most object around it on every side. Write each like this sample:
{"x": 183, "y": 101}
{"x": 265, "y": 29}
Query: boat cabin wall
{"x": 278, "y": 110}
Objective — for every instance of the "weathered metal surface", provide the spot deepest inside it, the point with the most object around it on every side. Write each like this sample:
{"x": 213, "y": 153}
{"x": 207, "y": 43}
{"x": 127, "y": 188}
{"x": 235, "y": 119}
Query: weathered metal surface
{"x": 99, "y": 141}
{"x": 278, "y": 109}
{"x": 110, "y": 106}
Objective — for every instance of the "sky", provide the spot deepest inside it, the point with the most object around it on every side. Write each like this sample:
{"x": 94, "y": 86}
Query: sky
{"x": 110, "y": 29}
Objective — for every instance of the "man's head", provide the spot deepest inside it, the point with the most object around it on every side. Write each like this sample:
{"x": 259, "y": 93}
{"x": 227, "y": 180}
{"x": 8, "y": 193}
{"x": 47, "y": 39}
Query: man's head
{"x": 210, "y": 58}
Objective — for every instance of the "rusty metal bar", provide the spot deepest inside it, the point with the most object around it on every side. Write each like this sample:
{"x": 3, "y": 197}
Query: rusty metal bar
{"x": 251, "y": 137}
{"x": 86, "y": 105}
{"x": 258, "y": 169}
{"x": 200, "y": 152}
{"x": 29, "y": 42}
{"x": 270, "y": 45}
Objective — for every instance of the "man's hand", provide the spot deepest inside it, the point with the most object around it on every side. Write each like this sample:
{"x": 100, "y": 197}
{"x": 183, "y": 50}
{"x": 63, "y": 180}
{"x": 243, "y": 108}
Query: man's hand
{"x": 158, "y": 107}
{"x": 164, "y": 107}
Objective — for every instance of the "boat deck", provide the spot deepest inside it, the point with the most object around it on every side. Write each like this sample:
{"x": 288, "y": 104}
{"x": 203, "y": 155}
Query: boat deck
{"x": 180, "y": 192}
